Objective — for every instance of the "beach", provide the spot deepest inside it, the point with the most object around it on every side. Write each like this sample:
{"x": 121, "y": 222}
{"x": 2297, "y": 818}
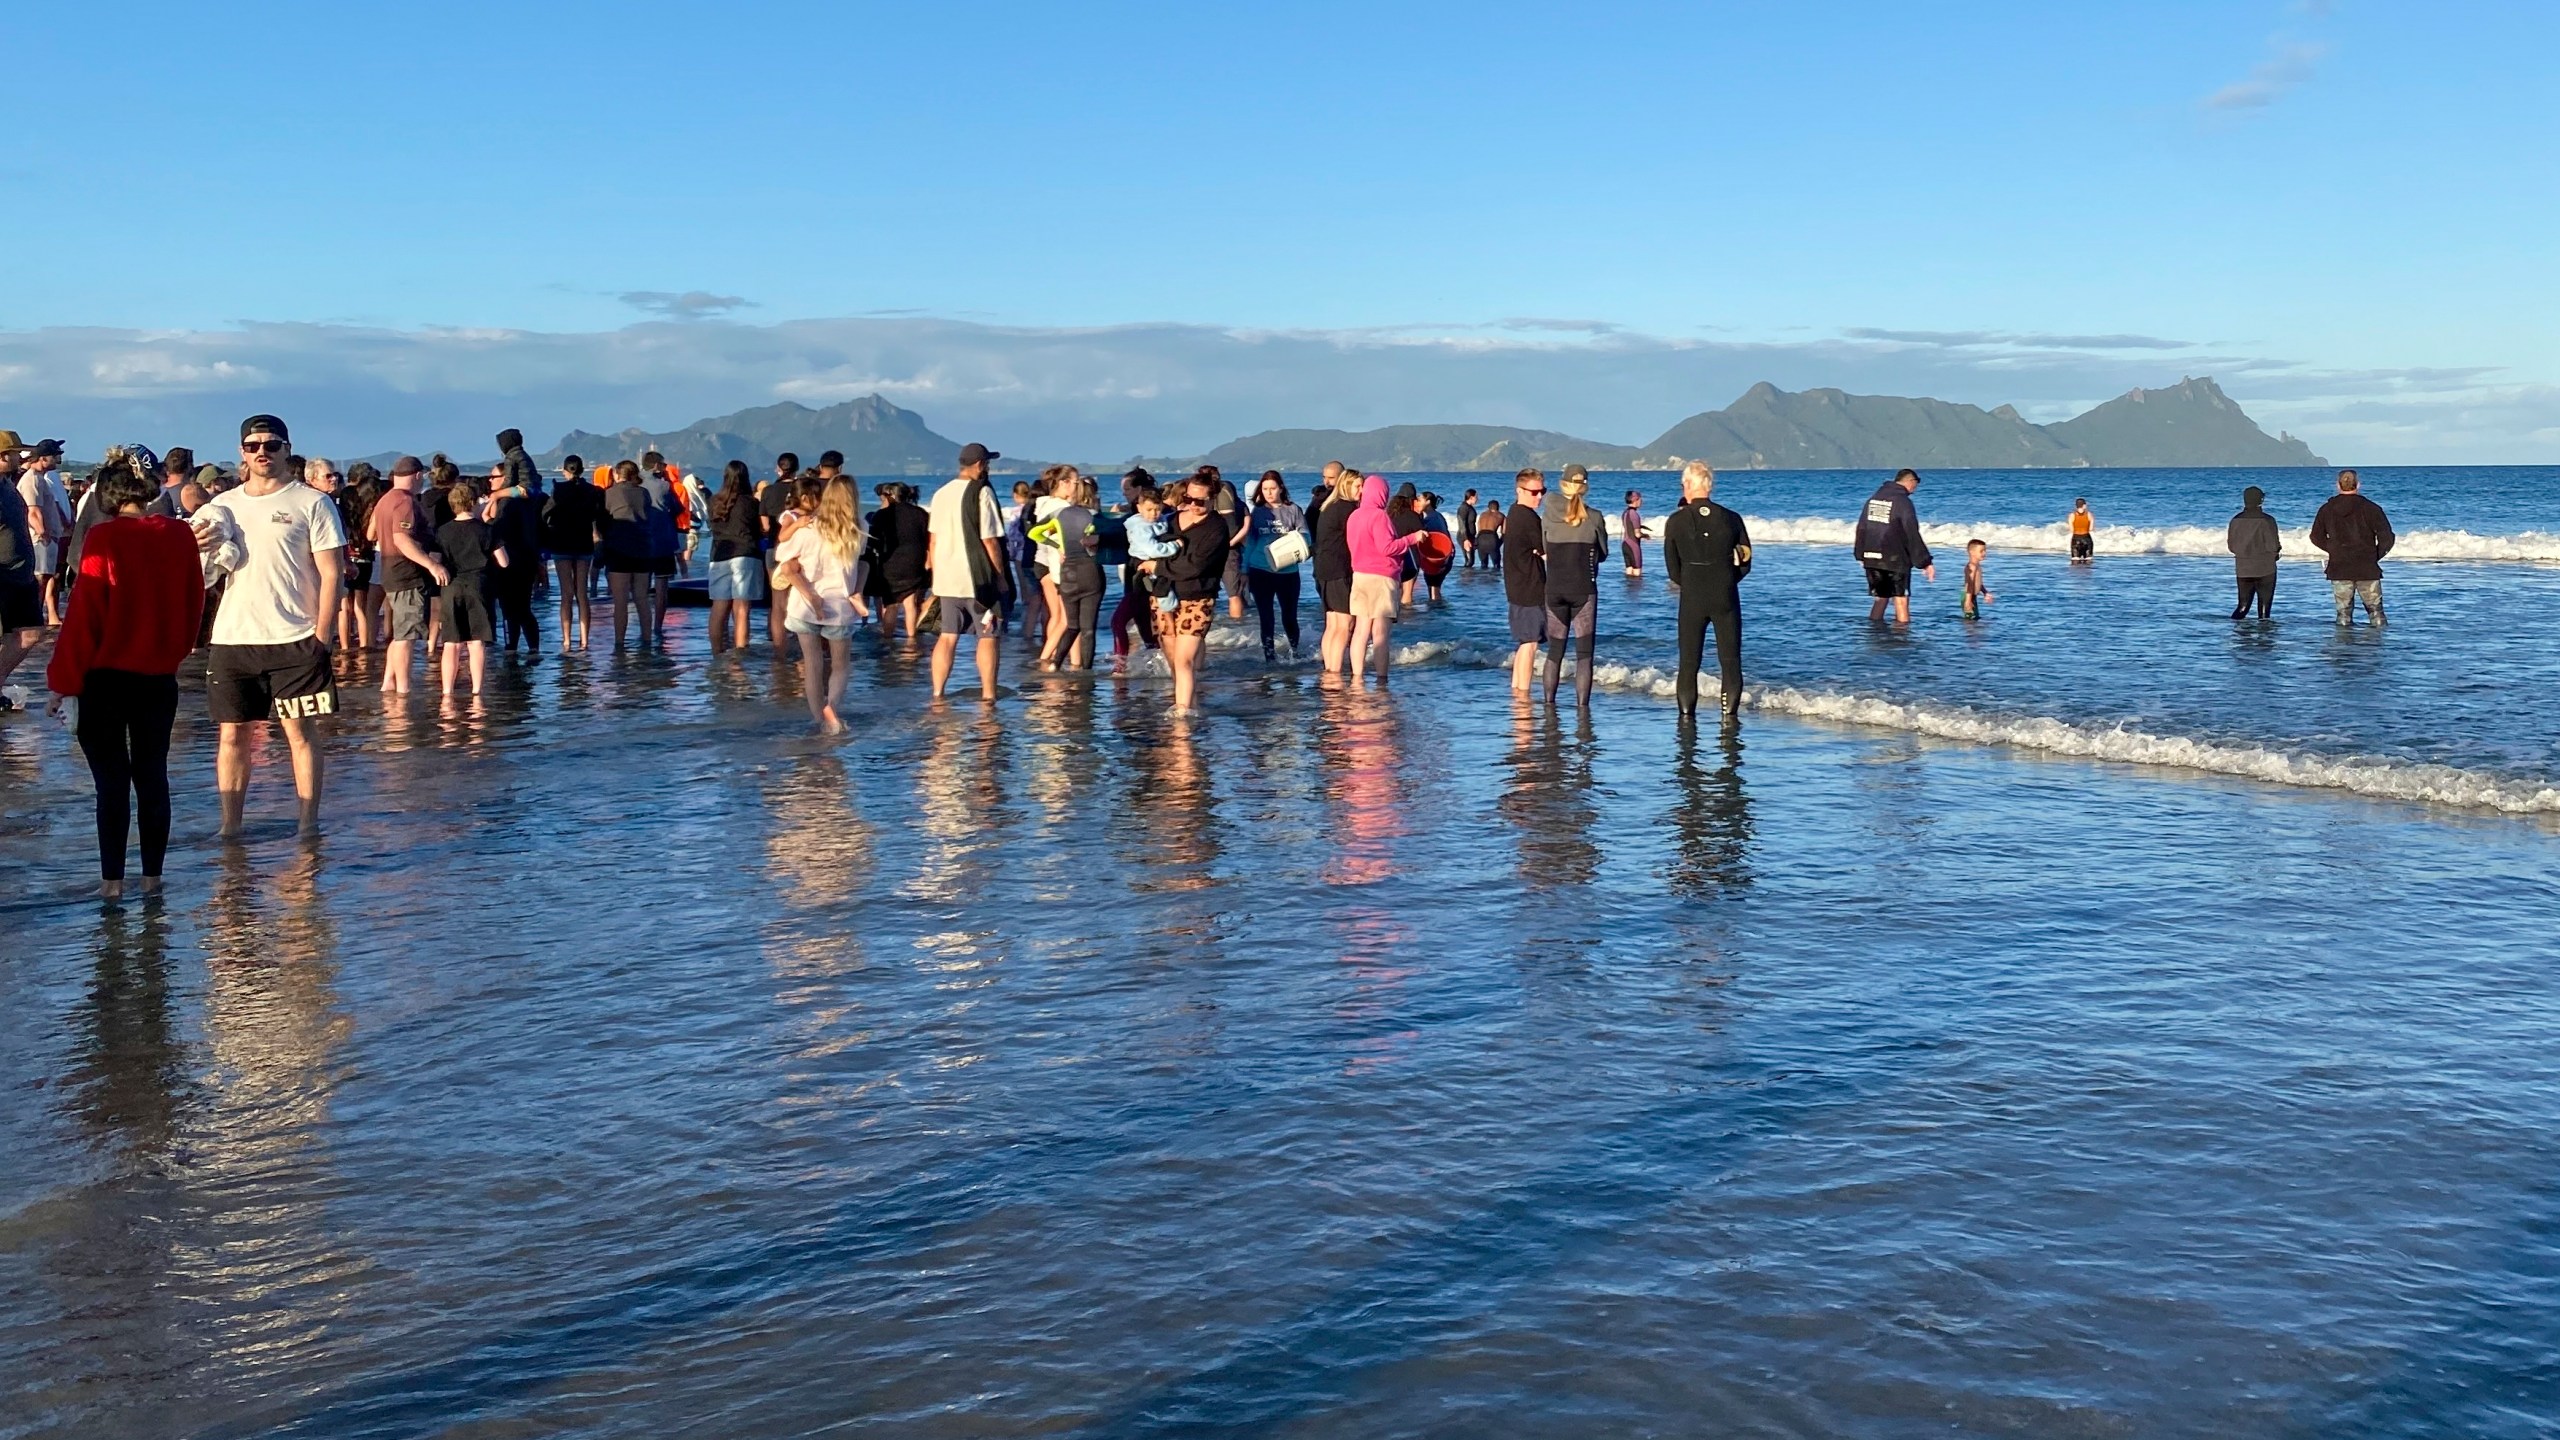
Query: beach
{"x": 625, "y": 1060}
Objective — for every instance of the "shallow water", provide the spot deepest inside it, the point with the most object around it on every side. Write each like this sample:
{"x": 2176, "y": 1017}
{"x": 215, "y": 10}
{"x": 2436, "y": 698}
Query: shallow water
{"x": 624, "y": 1062}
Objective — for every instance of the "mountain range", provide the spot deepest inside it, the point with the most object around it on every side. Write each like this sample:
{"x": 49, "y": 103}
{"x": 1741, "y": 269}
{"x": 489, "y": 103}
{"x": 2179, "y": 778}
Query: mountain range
{"x": 2191, "y": 423}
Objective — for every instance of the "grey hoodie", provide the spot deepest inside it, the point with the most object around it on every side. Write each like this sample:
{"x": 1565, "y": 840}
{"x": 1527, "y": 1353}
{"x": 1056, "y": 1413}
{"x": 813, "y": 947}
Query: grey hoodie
{"x": 2255, "y": 544}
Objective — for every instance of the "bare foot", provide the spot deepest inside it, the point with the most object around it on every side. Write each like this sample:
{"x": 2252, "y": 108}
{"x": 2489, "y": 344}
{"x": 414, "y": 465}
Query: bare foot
{"x": 110, "y": 889}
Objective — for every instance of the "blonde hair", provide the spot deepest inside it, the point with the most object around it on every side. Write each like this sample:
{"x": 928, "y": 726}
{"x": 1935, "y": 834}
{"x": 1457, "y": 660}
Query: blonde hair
{"x": 839, "y": 518}
{"x": 1573, "y": 488}
{"x": 1084, "y": 492}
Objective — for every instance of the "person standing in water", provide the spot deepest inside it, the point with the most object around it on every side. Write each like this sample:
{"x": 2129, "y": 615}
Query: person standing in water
{"x": 282, "y": 545}
{"x": 2255, "y": 544}
{"x": 1706, "y": 552}
{"x": 1466, "y": 518}
{"x": 1888, "y": 543}
{"x": 1573, "y": 538}
{"x": 471, "y": 547}
{"x": 1377, "y": 549}
{"x": 820, "y": 569}
{"x": 1631, "y": 534}
{"x": 1197, "y": 569}
{"x": 2084, "y": 541}
{"x": 410, "y": 567}
{"x": 1524, "y": 574}
{"x": 1334, "y": 504}
{"x": 132, "y": 622}
{"x": 1274, "y": 583}
{"x": 1977, "y": 592}
{"x": 572, "y": 524}
{"x": 2355, "y": 535}
{"x": 971, "y": 581}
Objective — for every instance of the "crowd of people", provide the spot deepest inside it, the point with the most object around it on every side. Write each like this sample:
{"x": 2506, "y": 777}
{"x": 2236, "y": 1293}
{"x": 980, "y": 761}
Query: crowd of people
{"x": 283, "y": 569}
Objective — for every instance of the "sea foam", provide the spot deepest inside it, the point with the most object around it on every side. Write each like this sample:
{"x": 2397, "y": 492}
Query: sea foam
{"x": 2530, "y": 546}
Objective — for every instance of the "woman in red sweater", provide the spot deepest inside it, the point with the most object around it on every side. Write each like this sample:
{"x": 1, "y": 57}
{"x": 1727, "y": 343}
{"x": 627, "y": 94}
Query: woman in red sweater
{"x": 133, "y": 622}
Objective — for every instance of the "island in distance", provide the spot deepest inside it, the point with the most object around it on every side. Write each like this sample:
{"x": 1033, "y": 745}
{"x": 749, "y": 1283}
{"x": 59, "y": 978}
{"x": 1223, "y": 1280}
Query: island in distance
{"x": 2191, "y": 423}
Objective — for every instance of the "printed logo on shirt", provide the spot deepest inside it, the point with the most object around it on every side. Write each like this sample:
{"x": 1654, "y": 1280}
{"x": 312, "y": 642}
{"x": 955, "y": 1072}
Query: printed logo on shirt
{"x": 285, "y": 518}
{"x": 1880, "y": 512}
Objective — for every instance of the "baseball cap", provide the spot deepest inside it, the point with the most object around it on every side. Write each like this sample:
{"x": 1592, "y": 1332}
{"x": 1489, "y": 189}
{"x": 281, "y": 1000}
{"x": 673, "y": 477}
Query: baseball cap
{"x": 1575, "y": 472}
{"x": 45, "y": 449}
{"x": 974, "y": 453}
{"x": 268, "y": 423}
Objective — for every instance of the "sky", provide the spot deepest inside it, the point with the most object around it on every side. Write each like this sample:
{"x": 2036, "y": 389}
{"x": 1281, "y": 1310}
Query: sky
{"x": 1103, "y": 230}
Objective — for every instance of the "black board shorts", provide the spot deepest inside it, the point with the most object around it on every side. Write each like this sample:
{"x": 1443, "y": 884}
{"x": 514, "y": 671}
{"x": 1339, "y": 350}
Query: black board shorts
{"x": 21, "y": 606}
{"x": 1336, "y": 595}
{"x": 2084, "y": 547}
{"x": 293, "y": 681}
{"x": 1888, "y": 584}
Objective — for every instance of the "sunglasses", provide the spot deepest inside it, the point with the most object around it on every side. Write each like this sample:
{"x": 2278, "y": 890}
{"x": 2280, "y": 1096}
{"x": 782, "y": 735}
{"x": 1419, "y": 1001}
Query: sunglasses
{"x": 262, "y": 447}
{"x": 1541, "y": 490}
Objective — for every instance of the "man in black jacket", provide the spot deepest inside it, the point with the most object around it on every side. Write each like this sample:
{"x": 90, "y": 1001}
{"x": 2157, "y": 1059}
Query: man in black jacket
{"x": 1707, "y": 551}
{"x": 1888, "y": 543}
{"x": 1524, "y": 573}
{"x": 2355, "y": 534}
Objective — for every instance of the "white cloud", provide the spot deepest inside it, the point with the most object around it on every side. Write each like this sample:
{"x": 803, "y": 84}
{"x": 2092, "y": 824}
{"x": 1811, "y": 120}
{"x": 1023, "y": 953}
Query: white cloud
{"x": 2289, "y": 64}
{"x": 1102, "y": 394}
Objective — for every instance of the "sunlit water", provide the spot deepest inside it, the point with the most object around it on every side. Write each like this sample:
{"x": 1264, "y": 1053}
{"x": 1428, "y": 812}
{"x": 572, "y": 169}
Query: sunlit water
{"x": 625, "y": 1062}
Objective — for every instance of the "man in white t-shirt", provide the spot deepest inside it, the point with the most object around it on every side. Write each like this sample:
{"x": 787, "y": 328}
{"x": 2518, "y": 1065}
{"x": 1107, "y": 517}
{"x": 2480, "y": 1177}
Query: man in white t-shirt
{"x": 283, "y": 545}
{"x": 970, "y": 578}
{"x": 48, "y": 519}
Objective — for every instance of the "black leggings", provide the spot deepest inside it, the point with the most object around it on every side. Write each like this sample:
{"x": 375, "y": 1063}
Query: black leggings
{"x": 515, "y": 603}
{"x": 124, "y": 730}
{"x": 1564, "y": 613}
{"x": 2261, "y": 588}
{"x": 1084, "y": 622}
{"x": 1268, "y": 587}
{"x": 1695, "y": 617}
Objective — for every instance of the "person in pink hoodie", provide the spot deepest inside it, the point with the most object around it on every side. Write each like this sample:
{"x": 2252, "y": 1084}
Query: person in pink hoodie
{"x": 1377, "y": 558}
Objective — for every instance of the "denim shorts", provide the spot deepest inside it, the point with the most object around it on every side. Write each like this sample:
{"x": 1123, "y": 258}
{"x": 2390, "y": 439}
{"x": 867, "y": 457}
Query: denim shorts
{"x": 824, "y": 632}
{"x": 741, "y": 579}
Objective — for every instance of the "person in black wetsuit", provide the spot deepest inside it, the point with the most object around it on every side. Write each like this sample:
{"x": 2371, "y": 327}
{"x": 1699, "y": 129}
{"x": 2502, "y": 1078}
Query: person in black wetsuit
{"x": 1519, "y": 550}
{"x": 1707, "y": 551}
{"x": 1570, "y": 532}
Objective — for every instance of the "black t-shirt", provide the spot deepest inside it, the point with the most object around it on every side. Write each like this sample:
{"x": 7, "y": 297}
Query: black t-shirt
{"x": 518, "y": 526}
{"x": 904, "y": 532}
{"x": 571, "y": 515}
{"x": 738, "y": 535}
{"x": 775, "y": 498}
{"x": 1524, "y": 558}
{"x": 466, "y": 544}
{"x": 1332, "y": 544}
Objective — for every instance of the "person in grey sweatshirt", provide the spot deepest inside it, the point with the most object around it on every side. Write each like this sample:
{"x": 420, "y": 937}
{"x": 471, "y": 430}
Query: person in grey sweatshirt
{"x": 2255, "y": 544}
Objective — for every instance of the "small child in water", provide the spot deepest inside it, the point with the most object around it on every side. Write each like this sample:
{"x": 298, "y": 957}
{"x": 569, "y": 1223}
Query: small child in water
{"x": 1147, "y": 544}
{"x": 1975, "y": 595}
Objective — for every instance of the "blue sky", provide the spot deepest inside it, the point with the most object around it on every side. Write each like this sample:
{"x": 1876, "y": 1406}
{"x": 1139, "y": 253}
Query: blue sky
{"x": 2345, "y": 211}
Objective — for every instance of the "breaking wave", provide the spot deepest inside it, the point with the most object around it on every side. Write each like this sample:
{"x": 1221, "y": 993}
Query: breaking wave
{"x": 2530, "y": 546}
{"x": 2379, "y": 778}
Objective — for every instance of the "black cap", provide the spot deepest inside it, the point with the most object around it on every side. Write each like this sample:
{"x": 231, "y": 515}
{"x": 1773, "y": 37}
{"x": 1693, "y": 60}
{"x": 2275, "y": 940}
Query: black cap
{"x": 267, "y": 423}
{"x": 45, "y": 450}
{"x": 974, "y": 453}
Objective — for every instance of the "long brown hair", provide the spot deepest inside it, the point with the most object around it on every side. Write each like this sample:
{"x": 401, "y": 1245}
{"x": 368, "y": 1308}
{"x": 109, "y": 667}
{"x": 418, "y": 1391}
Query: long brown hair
{"x": 735, "y": 485}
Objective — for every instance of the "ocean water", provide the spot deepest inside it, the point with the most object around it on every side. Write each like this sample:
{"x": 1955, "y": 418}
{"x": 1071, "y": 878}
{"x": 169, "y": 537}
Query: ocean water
{"x": 1926, "y": 1057}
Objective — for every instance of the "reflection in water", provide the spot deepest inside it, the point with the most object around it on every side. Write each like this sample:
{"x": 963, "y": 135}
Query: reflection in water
{"x": 120, "y": 1328}
{"x": 1710, "y": 817}
{"x": 1368, "y": 791}
{"x": 1548, "y": 801}
{"x": 960, "y": 806}
{"x": 821, "y": 853}
{"x": 273, "y": 1026}
{"x": 1173, "y": 807}
{"x": 1061, "y": 768}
